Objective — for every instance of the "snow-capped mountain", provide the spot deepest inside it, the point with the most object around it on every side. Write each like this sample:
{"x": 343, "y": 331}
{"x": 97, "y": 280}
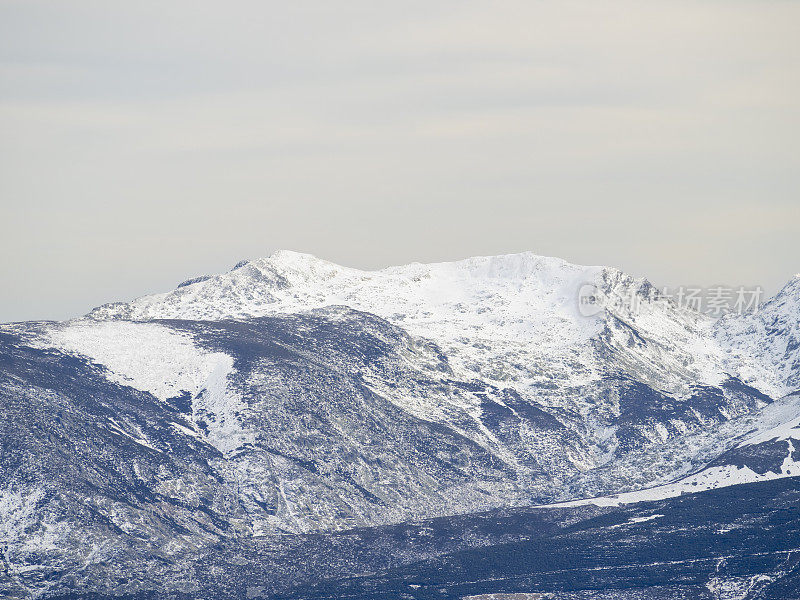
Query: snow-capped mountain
{"x": 525, "y": 306}
{"x": 765, "y": 346}
{"x": 291, "y": 395}
{"x": 514, "y": 322}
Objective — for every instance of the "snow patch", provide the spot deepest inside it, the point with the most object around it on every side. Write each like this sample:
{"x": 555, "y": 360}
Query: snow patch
{"x": 644, "y": 519}
{"x": 18, "y": 513}
{"x": 149, "y": 357}
{"x": 707, "y": 479}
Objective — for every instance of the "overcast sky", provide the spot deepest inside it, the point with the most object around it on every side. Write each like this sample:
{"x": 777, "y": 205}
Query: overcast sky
{"x": 145, "y": 142}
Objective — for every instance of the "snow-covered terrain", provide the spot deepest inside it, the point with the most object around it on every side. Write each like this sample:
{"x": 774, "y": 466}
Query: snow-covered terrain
{"x": 503, "y": 317}
{"x": 710, "y": 478}
{"x": 764, "y": 348}
{"x": 147, "y": 356}
{"x": 509, "y": 322}
{"x": 523, "y": 307}
{"x": 291, "y": 395}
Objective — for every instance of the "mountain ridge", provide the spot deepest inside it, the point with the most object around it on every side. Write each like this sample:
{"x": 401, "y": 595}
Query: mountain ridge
{"x": 506, "y": 320}
{"x": 289, "y": 281}
{"x": 291, "y": 396}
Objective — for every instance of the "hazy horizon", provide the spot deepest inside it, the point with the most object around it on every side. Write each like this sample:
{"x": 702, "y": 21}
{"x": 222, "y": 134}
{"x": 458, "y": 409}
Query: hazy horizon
{"x": 143, "y": 144}
{"x": 169, "y": 286}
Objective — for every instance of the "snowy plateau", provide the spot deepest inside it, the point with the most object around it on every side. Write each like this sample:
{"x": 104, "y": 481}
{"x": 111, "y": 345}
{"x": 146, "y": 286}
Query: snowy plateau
{"x": 297, "y": 429}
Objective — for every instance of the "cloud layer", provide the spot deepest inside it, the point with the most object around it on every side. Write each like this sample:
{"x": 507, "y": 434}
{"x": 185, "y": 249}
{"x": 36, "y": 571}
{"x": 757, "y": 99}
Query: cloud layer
{"x": 145, "y": 142}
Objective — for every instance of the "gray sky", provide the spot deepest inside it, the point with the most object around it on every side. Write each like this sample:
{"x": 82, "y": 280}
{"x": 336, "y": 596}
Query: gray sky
{"x": 145, "y": 142}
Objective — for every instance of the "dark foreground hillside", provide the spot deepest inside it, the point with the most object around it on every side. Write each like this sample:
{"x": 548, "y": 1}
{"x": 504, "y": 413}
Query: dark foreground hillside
{"x": 736, "y": 542}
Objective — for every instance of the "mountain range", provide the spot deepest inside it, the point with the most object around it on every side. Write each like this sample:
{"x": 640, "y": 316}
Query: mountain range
{"x": 293, "y": 428}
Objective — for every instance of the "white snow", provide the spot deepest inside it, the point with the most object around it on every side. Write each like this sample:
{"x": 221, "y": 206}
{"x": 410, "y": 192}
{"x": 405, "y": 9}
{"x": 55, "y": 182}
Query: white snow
{"x": 644, "y": 519}
{"x": 186, "y": 431}
{"x": 146, "y": 356}
{"x": 752, "y": 349}
{"x": 503, "y": 318}
{"x": 119, "y": 429}
{"x": 777, "y": 421}
{"x": 707, "y": 479}
{"x": 510, "y": 317}
{"x": 165, "y": 362}
{"x": 522, "y": 305}
{"x": 17, "y": 513}
{"x": 506, "y": 320}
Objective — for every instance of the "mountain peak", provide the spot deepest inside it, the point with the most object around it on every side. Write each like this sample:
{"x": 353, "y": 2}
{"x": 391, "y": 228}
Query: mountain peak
{"x": 789, "y": 292}
{"x": 518, "y": 265}
{"x": 510, "y": 266}
{"x": 293, "y": 257}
